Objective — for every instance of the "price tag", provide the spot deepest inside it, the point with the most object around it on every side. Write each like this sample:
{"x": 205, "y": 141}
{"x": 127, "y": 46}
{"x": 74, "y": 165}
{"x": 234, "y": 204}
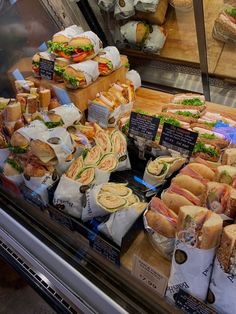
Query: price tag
{"x": 144, "y": 126}
{"x": 46, "y": 69}
{"x": 178, "y": 139}
{"x": 189, "y": 304}
{"x": 8, "y": 185}
{"x": 149, "y": 276}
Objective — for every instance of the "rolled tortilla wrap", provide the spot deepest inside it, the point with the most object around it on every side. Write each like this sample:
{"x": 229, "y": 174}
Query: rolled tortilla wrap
{"x": 108, "y": 162}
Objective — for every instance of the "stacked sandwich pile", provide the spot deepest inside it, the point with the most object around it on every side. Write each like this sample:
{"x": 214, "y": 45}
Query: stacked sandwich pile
{"x": 78, "y": 57}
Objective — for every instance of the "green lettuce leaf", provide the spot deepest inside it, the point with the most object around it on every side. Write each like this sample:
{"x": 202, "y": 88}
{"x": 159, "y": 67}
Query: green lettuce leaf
{"x": 71, "y": 79}
{"x": 14, "y": 164}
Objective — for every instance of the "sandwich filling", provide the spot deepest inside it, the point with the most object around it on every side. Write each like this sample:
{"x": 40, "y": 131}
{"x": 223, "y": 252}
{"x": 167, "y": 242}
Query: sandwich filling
{"x": 86, "y": 176}
{"x": 15, "y": 165}
{"x": 116, "y": 189}
{"x": 108, "y": 162}
{"x": 200, "y": 147}
{"x": 93, "y": 156}
{"x": 111, "y": 202}
{"x": 74, "y": 81}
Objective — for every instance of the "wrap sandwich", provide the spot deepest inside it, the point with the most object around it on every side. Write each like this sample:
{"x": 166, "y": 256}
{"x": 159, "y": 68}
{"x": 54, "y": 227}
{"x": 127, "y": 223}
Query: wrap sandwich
{"x": 108, "y": 162}
{"x": 124, "y": 9}
{"x": 155, "y": 40}
{"x": 92, "y": 156}
{"x": 135, "y": 33}
{"x": 102, "y": 139}
{"x": 146, "y": 5}
{"x": 81, "y": 74}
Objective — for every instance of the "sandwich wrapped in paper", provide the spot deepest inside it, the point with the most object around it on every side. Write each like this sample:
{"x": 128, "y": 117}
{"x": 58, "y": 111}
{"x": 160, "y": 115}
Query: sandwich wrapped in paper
{"x": 52, "y": 146}
{"x": 59, "y": 67}
{"x": 134, "y": 77}
{"x": 119, "y": 222}
{"x": 146, "y": 5}
{"x": 162, "y": 167}
{"x": 221, "y": 294}
{"x": 125, "y": 94}
{"x": 160, "y": 222}
{"x": 225, "y": 25}
{"x": 12, "y": 169}
{"x": 103, "y": 140}
{"x": 108, "y": 60}
{"x": 221, "y": 199}
{"x": 226, "y": 174}
{"x": 175, "y": 197}
{"x": 39, "y": 178}
{"x": 124, "y": 9}
{"x": 83, "y": 47}
{"x": 108, "y": 162}
{"x": 106, "y": 5}
{"x": 81, "y": 74}
{"x": 198, "y": 235}
{"x": 119, "y": 148}
{"x": 135, "y": 33}
{"x": 36, "y": 61}
{"x": 158, "y": 17}
{"x": 69, "y": 114}
{"x": 60, "y": 40}
{"x": 105, "y": 199}
{"x": 155, "y": 40}
{"x": 4, "y": 150}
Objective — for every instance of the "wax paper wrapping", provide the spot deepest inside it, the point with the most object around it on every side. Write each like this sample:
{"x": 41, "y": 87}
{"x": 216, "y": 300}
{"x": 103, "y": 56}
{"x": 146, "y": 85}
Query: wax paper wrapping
{"x": 134, "y": 77}
{"x": 102, "y": 115}
{"x": 128, "y": 32}
{"x": 69, "y": 113}
{"x": 155, "y": 40}
{"x": 89, "y": 68}
{"x": 71, "y": 31}
{"x": 124, "y": 9}
{"x": 190, "y": 270}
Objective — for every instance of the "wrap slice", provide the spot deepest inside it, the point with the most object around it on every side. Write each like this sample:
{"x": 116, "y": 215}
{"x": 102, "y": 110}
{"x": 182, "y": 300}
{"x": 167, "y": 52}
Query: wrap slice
{"x": 111, "y": 202}
{"x": 116, "y": 189}
{"x": 93, "y": 156}
{"x": 108, "y": 162}
{"x": 102, "y": 139}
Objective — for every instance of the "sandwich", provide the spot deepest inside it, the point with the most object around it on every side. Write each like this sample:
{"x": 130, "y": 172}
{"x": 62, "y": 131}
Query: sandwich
{"x": 226, "y": 174}
{"x": 80, "y": 74}
{"x": 12, "y": 167}
{"x": 225, "y": 25}
{"x": 36, "y": 61}
{"x": 199, "y": 227}
{"x": 207, "y": 135}
{"x": 43, "y": 151}
{"x": 155, "y": 40}
{"x": 107, "y": 99}
{"x": 35, "y": 170}
{"x": 191, "y": 100}
{"x": 135, "y": 32}
{"x": 19, "y": 144}
{"x": 82, "y": 47}
{"x": 212, "y": 165}
{"x": 102, "y": 139}
{"x": 175, "y": 197}
{"x": 226, "y": 253}
{"x": 221, "y": 199}
{"x": 212, "y": 118}
{"x": 201, "y": 169}
{"x": 156, "y": 171}
{"x": 184, "y": 120}
{"x": 75, "y": 168}
{"x": 108, "y": 162}
{"x": 166, "y": 117}
{"x": 61, "y": 39}
{"x": 229, "y": 157}
{"x": 87, "y": 130}
{"x": 206, "y": 151}
{"x": 3, "y": 141}
{"x": 192, "y": 114}
{"x": 92, "y": 156}
{"x": 193, "y": 182}
{"x": 108, "y": 60}
{"x": 59, "y": 68}
{"x": 123, "y": 92}
{"x": 161, "y": 219}
{"x": 52, "y": 120}
{"x": 119, "y": 143}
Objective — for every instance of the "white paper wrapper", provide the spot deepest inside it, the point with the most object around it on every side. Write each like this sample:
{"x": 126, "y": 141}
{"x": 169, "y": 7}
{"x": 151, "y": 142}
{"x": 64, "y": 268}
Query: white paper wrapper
{"x": 106, "y": 5}
{"x": 63, "y": 147}
{"x": 68, "y": 197}
{"x": 89, "y": 68}
{"x": 62, "y": 167}
{"x": 146, "y": 5}
{"x": 123, "y": 162}
{"x": 190, "y": 270}
{"x": 111, "y": 53}
{"x": 18, "y": 179}
{"x": 152, "y": 179}
{"x": 97, "y": 44}
{"x": 71, "y": 31}
{"x": 128, "y": 31}
{"x": 32, "y": 131}
{"x": 222, "y": 290}
{"x": 4, "y": 153}
{"x": 155, "y": 41}
{"x": 40, "y": 185}
{"x": 124, "y": 9}
{"x": 69, "y": 113}
{"x": 163, "y": 245}
{"x": 119, "y": 223}
{"x": 102, "y": 115}
{"x": 134, "y": 77}
{"x": 101, "y": 176}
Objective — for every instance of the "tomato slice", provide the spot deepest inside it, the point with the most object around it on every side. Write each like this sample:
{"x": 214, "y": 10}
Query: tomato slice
{"x": 78, "y": 57}
{"x": 63, "y": 55}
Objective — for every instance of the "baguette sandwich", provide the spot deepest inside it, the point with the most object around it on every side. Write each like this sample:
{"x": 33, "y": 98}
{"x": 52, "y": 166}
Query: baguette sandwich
{"x": 59, "y": 68}
{"x": 206, "y": 151}
{"x": 199, "y": 227}
{"x": 229, "y": 157}
{"x": 226, "y": 174}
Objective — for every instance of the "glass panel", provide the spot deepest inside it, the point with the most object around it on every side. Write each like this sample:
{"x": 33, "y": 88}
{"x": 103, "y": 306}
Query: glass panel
{"x": 24, "y": 26}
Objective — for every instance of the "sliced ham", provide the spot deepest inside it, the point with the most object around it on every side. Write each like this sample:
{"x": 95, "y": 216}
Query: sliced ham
{"x": 188, "y": 195}
{"x": 159, "y": 206}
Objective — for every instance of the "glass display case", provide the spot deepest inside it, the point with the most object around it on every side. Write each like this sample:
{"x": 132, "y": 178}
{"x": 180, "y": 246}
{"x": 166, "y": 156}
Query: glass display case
{"x": 87, "y": 245}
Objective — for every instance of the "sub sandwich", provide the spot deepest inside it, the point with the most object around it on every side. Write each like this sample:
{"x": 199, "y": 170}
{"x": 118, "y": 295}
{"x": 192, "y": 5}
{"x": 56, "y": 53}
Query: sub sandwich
{"x": 226, "y": 174}
{"x": 229, "y": 157}
{"x": 206, "y": 151}
{"x": 135, "y": 32}
{"x": 225, "y": 25}
{"x": 108, "y": 60}
{"x": 59, "y": 68}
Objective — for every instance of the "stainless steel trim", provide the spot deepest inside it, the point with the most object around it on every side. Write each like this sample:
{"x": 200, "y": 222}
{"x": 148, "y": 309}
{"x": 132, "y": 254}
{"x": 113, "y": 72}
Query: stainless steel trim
{"x": 77, "y": 288}
{"x": 202, "y": 48}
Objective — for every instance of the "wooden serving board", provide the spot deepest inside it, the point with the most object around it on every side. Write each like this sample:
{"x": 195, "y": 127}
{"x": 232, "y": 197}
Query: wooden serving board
{"x": 152, "y": 101}
{"x": 81, "y": 96}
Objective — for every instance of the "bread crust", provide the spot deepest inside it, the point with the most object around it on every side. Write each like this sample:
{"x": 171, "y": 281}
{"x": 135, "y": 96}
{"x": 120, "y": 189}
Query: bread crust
{"x": 174, "y": 201}
{"x": 227, "y": 245}
{"x": 18, "y": 140}
{"x": 74, "y": 42}
{"x": 60, "y": 38}
{"x": 42, "y": 150}
{"x": 203, "y": 170}
{"x": 191, "y": 184}
{"x": 160, "y": 224}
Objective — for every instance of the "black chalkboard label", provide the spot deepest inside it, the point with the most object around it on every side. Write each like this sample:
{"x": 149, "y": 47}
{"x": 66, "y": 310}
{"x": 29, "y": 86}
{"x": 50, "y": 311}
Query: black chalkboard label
{"x": 46, "y": 69}
{"x": 178, "y": 139}
{"x": 143, "y": 126}
{"x": 106, "y": 250}
{"x": 190, "y": 305}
